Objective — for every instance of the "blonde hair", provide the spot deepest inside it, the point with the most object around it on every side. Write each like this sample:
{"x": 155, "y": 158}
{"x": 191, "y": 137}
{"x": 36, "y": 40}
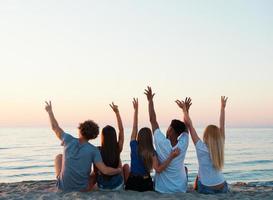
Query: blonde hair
{"x": 216, "y": 143}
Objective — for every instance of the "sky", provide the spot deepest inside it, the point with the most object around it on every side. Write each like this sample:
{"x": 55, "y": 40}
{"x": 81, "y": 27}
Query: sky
{"x": 83, "y": 55}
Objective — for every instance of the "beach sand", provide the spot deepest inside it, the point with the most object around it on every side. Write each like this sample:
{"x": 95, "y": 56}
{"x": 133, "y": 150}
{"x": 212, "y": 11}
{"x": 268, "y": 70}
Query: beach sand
{"x": 46, "y": 190}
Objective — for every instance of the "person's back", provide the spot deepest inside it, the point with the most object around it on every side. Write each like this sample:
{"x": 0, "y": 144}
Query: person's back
{"x": 207, "y": 173}
{"x": 110, "y": 149}
{"x": 77, "y": 162}
{"x": 106, "y": 182}
{"x": 142, "y": 152}
{"x": 73, "y": 168}
{"x": 174, "y": 178}
{"x": 210, "y": 151}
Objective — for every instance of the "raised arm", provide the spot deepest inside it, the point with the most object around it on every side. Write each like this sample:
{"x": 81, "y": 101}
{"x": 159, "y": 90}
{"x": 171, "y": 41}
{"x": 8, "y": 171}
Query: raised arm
{"x": 107, "y": 170}
{"x": 185, "y": 106}
{"x": 160, "y": 167}
{"x": 222, "y": 115}
{"x": 135, "y": 123}
{"x": 54, "y": 124}
{"x": 150, "y": 95}
{"x": 120, "y": 126}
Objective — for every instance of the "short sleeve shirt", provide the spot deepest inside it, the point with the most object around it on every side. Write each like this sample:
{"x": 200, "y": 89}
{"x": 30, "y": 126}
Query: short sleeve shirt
{"x": 137, "y": 165}
{"x": 207, "y": 173}
{"x": 173, "y": 179}
{"x": 77, "y": 163}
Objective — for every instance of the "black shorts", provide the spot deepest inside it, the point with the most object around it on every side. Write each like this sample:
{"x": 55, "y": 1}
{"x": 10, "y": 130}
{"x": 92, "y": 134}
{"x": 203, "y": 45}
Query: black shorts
{"x": 139, "y": 183}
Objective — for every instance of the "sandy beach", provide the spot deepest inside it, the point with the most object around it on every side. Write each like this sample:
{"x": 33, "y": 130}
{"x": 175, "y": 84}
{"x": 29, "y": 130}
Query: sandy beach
{"x": 47, "y": 190}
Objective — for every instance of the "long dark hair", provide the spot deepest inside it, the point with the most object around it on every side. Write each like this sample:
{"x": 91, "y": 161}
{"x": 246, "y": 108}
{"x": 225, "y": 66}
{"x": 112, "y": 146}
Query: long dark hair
{"x": 145, "y": 147}
{"x": 109, "y": 147}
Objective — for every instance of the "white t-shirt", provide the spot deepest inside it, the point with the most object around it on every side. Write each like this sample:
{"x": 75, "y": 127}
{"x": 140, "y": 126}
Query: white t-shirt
{"x": 207, "y": 173}
{"x": 173, "y": 179}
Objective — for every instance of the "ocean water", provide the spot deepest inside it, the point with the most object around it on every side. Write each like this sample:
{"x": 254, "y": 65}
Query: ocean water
{"x": 28, "y": 154}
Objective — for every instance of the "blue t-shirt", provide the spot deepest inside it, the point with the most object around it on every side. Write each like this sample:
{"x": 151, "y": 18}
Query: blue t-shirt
{"x": 77, "y": 163}
{"x": 137, "y": 165}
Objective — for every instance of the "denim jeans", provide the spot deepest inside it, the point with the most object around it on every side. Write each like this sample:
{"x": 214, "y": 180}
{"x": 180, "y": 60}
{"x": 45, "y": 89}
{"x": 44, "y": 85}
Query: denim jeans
{"x": 208, "y": 190}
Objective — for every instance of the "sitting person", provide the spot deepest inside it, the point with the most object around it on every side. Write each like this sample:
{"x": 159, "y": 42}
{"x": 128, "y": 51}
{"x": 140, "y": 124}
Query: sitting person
{"x": 143, "y": 157}
{"x": 174, "y": 178}
{"x": 210, "y": 152}
{"x": 73, "y": 168}
{"x": 110, "y": 150}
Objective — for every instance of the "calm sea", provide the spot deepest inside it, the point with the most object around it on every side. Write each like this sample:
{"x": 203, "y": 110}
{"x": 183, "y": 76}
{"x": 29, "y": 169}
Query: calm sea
{"x": 28, "y": 154}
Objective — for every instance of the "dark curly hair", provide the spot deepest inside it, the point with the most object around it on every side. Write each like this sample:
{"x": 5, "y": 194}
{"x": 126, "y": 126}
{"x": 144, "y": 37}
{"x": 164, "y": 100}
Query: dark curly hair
{"x": 89, "y": 129}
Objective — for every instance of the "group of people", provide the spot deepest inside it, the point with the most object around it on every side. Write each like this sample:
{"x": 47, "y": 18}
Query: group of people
{"x": 150, "y": 149}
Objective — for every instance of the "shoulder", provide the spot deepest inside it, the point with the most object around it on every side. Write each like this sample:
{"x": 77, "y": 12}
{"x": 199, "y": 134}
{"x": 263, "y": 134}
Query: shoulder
{"x": 200, "y": 145}
{"x": 93, "y": 148}
{"x": 66, "y": 137}
{"x": 183, "y": 136}
{"x": 95, "y": 152}
{"x": 183, "y": 141}
{"x": 158, "y": 134}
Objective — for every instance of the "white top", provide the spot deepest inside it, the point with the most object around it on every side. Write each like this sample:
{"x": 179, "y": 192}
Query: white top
{"x": 173, "y": 179}
{"x": 207, "y": 174}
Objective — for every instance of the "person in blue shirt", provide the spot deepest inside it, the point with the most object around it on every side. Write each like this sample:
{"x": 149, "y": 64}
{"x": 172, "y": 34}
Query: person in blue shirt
{"x": 73, "y": 167}
{"x": 143, "y": 157}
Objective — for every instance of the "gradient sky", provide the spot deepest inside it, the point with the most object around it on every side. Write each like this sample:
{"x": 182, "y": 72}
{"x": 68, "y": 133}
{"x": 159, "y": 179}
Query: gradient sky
{"x": 84, "y": 54}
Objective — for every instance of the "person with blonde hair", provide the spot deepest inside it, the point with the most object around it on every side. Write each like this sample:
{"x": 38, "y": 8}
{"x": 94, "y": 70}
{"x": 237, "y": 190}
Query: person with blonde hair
{"x": 210, "y": 151}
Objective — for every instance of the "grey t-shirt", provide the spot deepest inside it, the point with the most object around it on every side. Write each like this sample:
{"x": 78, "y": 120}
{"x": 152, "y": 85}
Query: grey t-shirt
{"x": 77, "y": 163}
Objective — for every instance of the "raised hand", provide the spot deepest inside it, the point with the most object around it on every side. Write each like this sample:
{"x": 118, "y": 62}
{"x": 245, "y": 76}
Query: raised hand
{"x": 222, "y": 115}
{"x": 120, "y": 126}
{"x": 135, "y": 123}
{"x": 223, "y": 101}
{"x": 188, "y": 103}
{"x": 149, "y": 93}
{"x": 114, "y": 107}
{"x": 48, "y": 106}
{"x": 135, "y": 104}
{"x": 54, "y": 124}
{"x": 175, "y": 152}
{"x": 182, "y": 105}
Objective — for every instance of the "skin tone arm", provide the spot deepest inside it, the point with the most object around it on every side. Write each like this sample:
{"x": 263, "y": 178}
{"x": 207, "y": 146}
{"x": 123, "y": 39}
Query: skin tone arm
{"x": 54, "y": 124}
{"x": 120, "y": 126}
{"x": 150, "y": 95}
{"x": 107, "y": 170}
{"x": 159, "y": 167}
{"x": 185, "y": 105}
{"x": 222, "y": 115}
{"x": 135, "y": 123}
